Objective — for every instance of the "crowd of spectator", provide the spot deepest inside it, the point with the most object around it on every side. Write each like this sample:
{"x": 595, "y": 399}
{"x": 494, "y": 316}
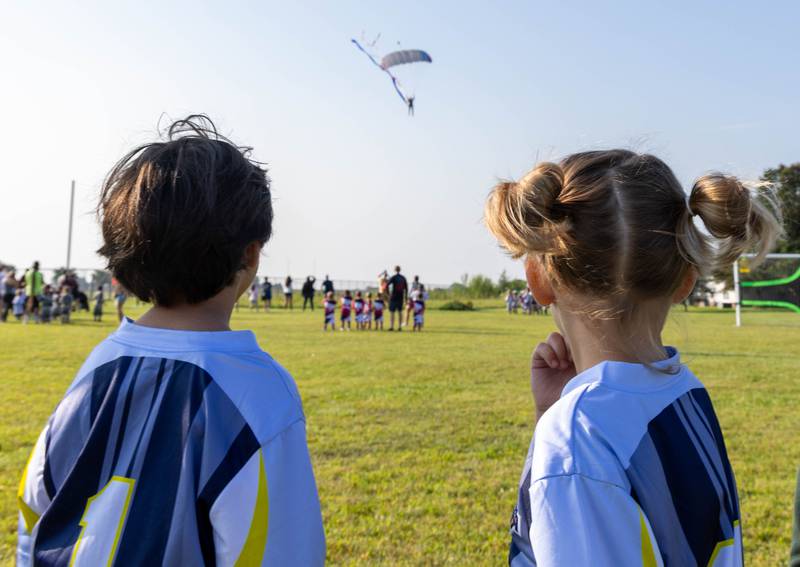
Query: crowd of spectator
{"x": 29, "y": 298}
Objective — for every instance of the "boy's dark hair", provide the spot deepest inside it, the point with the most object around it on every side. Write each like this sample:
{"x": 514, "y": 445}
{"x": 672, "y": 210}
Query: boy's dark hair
{"x": 177, "y": 215}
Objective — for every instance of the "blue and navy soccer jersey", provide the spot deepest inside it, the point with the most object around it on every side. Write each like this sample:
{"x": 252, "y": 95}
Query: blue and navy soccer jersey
{"x": 628, "y": 468}
{"x": 173, "y": 448}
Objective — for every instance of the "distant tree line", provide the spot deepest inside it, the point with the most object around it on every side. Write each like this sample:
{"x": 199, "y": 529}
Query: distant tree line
{"x": 479, "y": 286}
{"x": 786, "y": 181}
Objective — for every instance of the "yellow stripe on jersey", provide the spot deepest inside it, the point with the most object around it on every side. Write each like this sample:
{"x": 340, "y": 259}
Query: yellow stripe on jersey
{"x": 28, "y": 514}
{"x": 723, "y": 543}
{"x": 718, "y": 548}
{"x": 648, "y": 555}
{"x": 253, "y": 548}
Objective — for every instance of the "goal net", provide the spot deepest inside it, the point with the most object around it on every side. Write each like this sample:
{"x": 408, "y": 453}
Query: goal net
{"x": 775, "y": 283}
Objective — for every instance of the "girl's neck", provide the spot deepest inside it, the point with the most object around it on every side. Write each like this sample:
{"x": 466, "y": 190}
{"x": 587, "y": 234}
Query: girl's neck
{"x": 594, "y": 341}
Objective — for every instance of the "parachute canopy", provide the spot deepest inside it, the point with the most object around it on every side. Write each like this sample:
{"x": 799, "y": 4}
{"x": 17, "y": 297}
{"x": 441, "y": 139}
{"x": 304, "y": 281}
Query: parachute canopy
{"x": 393, "y": 59}
{"x": 405, "y": 56}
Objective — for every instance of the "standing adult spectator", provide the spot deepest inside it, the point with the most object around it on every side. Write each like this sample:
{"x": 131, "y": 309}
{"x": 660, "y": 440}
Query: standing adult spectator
{"x": 383, "y": 282}
{"x": 71, "y": 281}
{"x": 11, "y": 284}
{"x": 308, "y": 292}
{"x": 287, "y": 293}
{"x": 120, "y": 295}
{"x": 253, "y": 295}
{"x": 99, "y": 299}
{"x": 266, "y": 294}
{"x": 327, "y": 285}
{"x": 34, "y": 286}
{"x": 62, "y": 281}
{"x": 3, "y": 273}
{"x": 398, "y": 293}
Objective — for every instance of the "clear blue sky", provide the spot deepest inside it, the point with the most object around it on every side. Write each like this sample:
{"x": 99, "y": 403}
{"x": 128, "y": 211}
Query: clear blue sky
{"x": 359, "y": 186}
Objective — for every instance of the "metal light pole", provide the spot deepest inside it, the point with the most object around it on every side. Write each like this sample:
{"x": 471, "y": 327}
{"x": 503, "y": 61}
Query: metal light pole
{"x": 737, "y": 292}
{"x": 69, "y": 235}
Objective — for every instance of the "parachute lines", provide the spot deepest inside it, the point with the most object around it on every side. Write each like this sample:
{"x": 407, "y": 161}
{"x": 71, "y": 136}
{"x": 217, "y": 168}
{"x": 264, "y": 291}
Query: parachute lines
{"x": 382, "y": 68}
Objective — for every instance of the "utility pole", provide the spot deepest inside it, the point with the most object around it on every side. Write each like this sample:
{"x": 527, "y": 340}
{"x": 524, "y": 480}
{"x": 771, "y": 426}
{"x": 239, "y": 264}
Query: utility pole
{"x": 69, "y": 235}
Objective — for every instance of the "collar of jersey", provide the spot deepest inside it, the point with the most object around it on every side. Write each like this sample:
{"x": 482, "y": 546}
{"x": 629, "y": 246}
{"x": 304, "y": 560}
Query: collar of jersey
{"x": 628, "y": 376}
{"x": 173, "y": 340}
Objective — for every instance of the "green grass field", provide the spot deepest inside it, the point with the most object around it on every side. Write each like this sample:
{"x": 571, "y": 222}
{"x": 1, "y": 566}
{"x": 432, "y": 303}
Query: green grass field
{"x": 418, "y": 439}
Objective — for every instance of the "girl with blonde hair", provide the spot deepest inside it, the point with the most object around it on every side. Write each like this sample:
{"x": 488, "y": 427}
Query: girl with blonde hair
{"x": 628, "y": 464}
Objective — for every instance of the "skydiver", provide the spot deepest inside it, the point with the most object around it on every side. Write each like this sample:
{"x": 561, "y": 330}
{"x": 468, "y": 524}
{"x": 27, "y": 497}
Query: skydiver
{"x": 410, "y": 103}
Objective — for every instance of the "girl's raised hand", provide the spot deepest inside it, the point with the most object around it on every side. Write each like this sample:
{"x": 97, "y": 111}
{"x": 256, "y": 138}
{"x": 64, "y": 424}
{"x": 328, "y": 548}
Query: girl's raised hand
{"x": 551, "y": 368}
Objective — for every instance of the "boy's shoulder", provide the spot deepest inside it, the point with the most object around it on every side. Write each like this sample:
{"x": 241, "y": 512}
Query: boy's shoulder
{"x": 601, "y": 418}
{"x": 232, "y": 364}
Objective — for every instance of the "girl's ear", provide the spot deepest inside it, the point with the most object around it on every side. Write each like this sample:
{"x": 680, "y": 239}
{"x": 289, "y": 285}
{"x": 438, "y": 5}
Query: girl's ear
{"x": 686, "y": 287}
{"x": 538, "y": 282}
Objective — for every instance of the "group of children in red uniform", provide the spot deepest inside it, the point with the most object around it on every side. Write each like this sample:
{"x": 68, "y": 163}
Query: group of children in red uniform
{"x": 366, "y": 311}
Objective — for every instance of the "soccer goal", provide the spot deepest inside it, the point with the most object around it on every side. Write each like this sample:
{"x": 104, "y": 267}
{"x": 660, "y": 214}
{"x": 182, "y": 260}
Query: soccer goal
{"x": 774, "y": 283}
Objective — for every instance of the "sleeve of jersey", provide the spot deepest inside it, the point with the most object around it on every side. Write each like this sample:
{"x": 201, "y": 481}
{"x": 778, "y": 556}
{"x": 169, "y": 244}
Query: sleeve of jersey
{"x": 32, "y": 498}
{"x": 576, "y": 520}
{"x": 269, "y": 513}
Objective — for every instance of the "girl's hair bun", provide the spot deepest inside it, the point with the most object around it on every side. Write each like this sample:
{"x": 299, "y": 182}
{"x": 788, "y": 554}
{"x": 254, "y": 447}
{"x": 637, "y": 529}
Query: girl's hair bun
{"x": 523, "y": 214}
{"x": 543, "y": 185}
{"x": 742, "y": 219}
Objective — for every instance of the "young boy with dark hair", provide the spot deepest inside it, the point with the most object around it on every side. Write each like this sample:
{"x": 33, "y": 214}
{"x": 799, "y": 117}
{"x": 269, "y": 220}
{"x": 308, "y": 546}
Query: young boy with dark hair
{"x": 180, "y": 442}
